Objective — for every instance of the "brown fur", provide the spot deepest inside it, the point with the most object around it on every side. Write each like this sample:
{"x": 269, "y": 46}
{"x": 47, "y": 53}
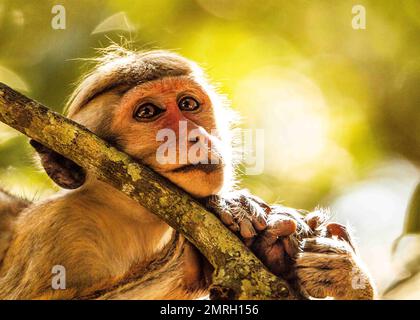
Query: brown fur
{"x": 10, "y": 206}
{"x": 324, "y": 260}
{"x": 113, "y": 248}
{"x": 97, "y": 233}
{"x": 98, "y": 239}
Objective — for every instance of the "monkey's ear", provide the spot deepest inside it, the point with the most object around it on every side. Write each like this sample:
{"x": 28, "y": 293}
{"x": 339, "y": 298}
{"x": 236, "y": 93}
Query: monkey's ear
{"x": 61, "y": 170}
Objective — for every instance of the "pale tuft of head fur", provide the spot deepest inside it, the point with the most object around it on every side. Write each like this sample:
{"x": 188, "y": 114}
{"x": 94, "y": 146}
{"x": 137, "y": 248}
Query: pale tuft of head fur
{"x": 116, "y": 66}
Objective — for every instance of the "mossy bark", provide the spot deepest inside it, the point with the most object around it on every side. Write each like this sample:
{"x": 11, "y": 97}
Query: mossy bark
{"x": 238, "y": 273}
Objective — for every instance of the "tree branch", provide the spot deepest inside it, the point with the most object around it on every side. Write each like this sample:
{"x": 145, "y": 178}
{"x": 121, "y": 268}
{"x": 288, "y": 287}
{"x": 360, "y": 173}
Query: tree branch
{"x": 238, "y": 273}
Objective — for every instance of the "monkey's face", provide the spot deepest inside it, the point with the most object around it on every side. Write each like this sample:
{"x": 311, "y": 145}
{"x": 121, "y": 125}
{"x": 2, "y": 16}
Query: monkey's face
{"x": 169, "y": 124}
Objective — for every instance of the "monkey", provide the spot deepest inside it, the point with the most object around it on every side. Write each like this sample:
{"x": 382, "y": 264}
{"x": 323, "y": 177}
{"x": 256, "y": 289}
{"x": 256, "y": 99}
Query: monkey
{"x": 113, "y": 248}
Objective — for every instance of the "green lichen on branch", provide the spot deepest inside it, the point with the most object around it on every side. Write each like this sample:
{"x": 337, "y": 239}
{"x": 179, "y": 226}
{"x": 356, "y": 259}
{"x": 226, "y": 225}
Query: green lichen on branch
{"x": 238, "y": 273}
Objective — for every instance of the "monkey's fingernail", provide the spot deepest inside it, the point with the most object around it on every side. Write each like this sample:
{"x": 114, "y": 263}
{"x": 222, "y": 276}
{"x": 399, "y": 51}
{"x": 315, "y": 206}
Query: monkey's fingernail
{"x": 340, "y": 231}
{"x": 336, "y": 229}
{"x": 227, "y": 218}
{"x": 259, "y": 222}
{"x": 313, "y": 223}
{"x": 315, "y": 219}
{"x": 246, "y": 229}
{"x": 234, "y": 227}
{"x": 284, "y": 227}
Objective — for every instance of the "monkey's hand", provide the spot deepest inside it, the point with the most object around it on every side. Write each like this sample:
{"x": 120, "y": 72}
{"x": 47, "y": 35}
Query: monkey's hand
{"x": 328, "y": 266}
{"x": 319, "y": 256}
{"x": 268, "y": 233}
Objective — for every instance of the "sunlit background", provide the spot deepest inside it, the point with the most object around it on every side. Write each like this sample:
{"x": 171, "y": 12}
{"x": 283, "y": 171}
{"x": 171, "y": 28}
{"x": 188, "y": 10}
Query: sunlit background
{"x": 340, "y": 107}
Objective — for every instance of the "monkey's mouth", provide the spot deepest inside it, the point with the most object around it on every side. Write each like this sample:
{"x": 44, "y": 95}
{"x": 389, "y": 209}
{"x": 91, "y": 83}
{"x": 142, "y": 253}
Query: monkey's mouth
{"x": 205, "y": 167}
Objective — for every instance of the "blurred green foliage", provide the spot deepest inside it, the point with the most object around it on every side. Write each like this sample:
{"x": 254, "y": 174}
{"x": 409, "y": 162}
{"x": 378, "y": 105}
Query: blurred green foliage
{"x": 333, "y": 101}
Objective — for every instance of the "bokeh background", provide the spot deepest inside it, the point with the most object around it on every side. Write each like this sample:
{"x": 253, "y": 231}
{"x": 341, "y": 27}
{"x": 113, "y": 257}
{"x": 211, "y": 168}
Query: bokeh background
{"x": 340, "y": 107}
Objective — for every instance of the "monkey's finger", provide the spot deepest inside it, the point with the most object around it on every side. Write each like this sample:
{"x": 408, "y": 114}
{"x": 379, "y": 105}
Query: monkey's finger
{"x": 313, "y": 222}
{"x": 291, "y": 246}
{"x": 246, "y": 229}
{"x": 261, "y": 203}
{"x": 259, "y": 215}
{"x": 272, "y": 256}
{"x": 267, "y": 247}
{"x": 226, "y": 218}
{"x": 259, "y": 223}
{"x": 316, "y": 219}
{"x": 221, "y": 208}
{"x": 268, "y": 238}
{"x": 216, "y": 204}
{"x": 254, "y": 211}
{"x": 280, "y": 226}
{"x": 340, "y": 231}
{"x": 274, "y": 259}
{"x": 234, "y": 227}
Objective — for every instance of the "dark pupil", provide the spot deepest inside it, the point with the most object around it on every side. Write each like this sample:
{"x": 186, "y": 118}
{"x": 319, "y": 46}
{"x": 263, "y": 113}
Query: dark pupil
{"x": 188, "y": 104}
{"x": 146, "y": 111}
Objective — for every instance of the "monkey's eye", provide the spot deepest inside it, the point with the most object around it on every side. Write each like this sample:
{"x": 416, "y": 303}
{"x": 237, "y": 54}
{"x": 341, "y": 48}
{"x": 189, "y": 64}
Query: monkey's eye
{"x": 188, "y": 104}
{"x": 146, "y": 111}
